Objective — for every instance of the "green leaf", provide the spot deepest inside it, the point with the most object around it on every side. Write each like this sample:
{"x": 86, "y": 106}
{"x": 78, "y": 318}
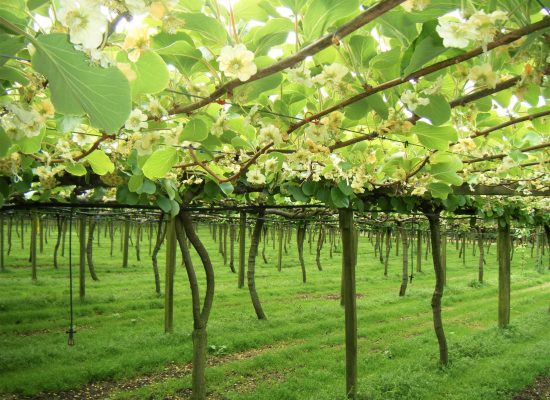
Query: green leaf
{"x": 249, "y": 9}
{"x": 439, "y": 190}
{"x": 160, "y": 163}
{"x": 297, "y": 193}
{"x": 363, "y": 48}
{"x": 273, "y": 33}
{"x": 181, "y": 54}
{"x": 14, "y": 12}
{"x": 5, "y": 143}
{"x": 435, "y": 137}
{"x": 13, "y": 75}
{"x": 9, "y": 46}
{"x": 195, "y": 130}
{"x": 322, "y": 13}
{"x": 211, "y": 31}
{"x": 152, "y": 74}
{"x": 147, "y": 187}
{"x": 164, "y": 203}
{"x": 100, "y": 162}
{"x": 79, "y": 87}
{"x": 135, "y": 182}
{"x": 31, "y": 145}
{"x": 427, "y": 46}
{"x": 227, "y": 188}
{"x": 397, "y": 24}
{"x": 446, "y": 172}
{"x": 438, "y": 110}
{"x": 339, "y": 199}
{"x": 75, "y": 169}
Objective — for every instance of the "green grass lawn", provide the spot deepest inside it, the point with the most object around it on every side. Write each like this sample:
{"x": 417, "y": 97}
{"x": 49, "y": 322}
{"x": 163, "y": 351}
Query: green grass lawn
{"x": 298, "y": 353}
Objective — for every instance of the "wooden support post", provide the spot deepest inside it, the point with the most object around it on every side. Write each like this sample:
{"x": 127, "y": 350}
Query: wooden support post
{"x": 169, "y": 279}
{"x": 349, "y": 258}
{"x": 125, "y": 238}
{"x": 242, "y": 247}
{"x": 503, "y": 273}
{"x": 82, "y": 258}
{"x": 34, "y": 231}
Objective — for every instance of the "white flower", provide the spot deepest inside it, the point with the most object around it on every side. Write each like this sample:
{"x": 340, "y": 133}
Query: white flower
{"x": 154, "y": 107}
{"x": 270, "y": 133}
{"x": 419, "y": 191}
{"x": 300, "y": 76}
{"x": 136, "y": 121}
{"x": 412, "y": 100}
{"x": 483, "y": 75}
{"x": 144, "y": 146}
{"x": 484, "y": 25}
{"x": 255, "y": 177}
{"x": 455, "y": 33}
{"x": 332, "y": 74}
{"x": 237, "y": 62}
{"x": 86, "y": 23}
{"x": 137, "y": 40}
{"x": 271, "y": 165}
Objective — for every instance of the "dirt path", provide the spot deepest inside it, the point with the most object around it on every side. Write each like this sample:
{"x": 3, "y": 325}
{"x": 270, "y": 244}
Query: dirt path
{"x": 539, "y": 390}
{"x": 101, "y": 390}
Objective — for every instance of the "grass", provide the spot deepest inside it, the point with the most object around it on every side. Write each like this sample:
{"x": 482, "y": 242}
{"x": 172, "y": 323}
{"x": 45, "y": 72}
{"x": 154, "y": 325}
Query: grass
{"x": 298, "y": 353}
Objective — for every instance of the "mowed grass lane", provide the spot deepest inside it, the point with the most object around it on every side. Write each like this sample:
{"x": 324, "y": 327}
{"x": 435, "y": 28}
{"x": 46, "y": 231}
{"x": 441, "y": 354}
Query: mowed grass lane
{"x": 297, "y": 353}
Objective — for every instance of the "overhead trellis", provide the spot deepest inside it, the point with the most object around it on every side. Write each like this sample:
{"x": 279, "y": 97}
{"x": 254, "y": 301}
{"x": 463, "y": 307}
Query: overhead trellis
{"x": 417, "y": 107}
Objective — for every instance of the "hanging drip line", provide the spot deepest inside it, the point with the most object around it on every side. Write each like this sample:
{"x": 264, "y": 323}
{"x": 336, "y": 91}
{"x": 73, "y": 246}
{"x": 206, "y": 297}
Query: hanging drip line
{"x": 71, "y": 330}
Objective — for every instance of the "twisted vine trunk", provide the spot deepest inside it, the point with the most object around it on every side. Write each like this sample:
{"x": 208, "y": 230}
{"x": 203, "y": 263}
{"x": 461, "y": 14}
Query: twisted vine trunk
{"x": 481, "y": 255}
{"x": 300, "y": 237}
{"x": 232, "y": 237}
{"x": 169, "y": 276}
{"x": 405, "y": 252}
{"x": 320, "y": 240}
{"x": 138, "y": 240}
{"x": 264, "y": 237}
{"x": 388, "y": 248}
{"x": 89, "y": 250}
{"x": 254, "y": 243}
{"x": 435, "y": 236}
{"x": 200, "y": 320}
{"x": 280, "y": 253}
{"x": 60, "y": 222}
{"x": 161, "y": 234}
{"x": 242, "y": 248}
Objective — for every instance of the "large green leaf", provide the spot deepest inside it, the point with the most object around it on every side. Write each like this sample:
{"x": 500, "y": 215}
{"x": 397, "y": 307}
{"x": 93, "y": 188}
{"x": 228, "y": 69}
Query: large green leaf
{"x": 14, "y": 12}
{"x": 195, "y": 131}
{"x": 427, "y": 46}
{"x": 435, "y": 137}
{"x": 100, "y": 162}
{"x": 79, "y": 87}
{"x": 181, "y": 54}
{"x": 322, "y": 13}
{"x": 438, "y": 110}
{"x": 9, "y": 46}
{"x": 151, "y": 74}
{"x": 446, "y": 172}
{"x": 210, "y": 30}
{"x": 160, "y": 163}
{"x": 439, "y": 190}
